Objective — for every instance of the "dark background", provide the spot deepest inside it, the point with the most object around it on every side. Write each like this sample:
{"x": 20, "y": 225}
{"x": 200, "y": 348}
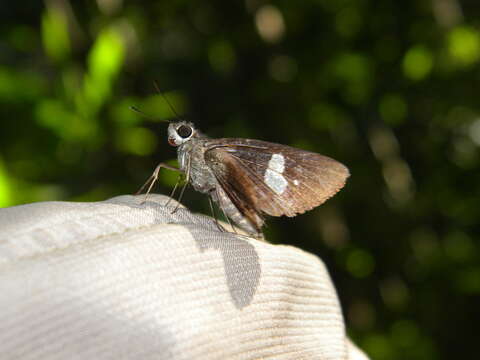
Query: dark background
{"x": 389, "y": 88}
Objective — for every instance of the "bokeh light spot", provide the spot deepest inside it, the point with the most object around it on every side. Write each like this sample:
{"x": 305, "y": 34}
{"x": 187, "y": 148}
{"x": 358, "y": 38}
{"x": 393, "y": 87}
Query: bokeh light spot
{"x": 464, "y": 45}
{"x": 109, "y": 7}
{"x": 270, "y": 23}
{"x": 417, "y": 62}
{"x": 394, "y": 293}
{"x": 355, "y": 72}
{"x": 361, "y": 314}
{"x": 360, "y": 263}
{"x": 474, "y": 131}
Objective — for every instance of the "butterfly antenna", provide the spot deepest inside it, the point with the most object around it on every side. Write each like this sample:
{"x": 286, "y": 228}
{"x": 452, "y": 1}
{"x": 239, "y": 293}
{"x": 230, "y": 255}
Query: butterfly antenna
{"x": 166, "y": 100}
{"x": 137, "y": 110}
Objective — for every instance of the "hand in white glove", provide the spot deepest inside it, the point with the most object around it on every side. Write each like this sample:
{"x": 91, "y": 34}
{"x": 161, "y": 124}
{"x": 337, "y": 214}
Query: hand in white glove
{"x": 123, "y": 280}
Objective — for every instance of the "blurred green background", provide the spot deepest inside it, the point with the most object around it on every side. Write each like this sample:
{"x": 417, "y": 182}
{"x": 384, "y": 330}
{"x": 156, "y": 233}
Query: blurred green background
{"x": 389, "y": 88}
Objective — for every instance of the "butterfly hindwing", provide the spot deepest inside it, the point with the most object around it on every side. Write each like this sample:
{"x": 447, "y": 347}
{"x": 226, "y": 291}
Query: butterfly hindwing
{"x": 223, "y": 168}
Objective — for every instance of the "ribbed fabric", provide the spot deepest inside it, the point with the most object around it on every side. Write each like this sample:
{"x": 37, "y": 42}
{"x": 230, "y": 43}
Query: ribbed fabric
{"x": 122, "y": 280}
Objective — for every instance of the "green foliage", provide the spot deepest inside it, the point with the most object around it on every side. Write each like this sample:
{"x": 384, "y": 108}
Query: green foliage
{"x": 55, "y": 34}
{"x": 388, "y": 88}
{"x": 5, "y": 189}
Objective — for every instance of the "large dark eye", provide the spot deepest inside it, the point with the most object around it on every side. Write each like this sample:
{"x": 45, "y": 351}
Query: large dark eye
{"x": 184, "y": 131}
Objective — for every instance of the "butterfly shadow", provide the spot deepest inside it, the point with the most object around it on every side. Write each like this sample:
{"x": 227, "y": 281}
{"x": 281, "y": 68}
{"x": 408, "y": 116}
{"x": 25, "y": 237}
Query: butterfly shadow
{"x": 240, "y": 258}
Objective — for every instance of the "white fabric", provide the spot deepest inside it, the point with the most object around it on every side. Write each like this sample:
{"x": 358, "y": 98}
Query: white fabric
{"x": 123, "y": 280}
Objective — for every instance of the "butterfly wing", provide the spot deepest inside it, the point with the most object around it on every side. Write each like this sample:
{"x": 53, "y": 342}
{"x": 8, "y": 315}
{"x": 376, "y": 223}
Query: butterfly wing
{"x": 273, "y": 179}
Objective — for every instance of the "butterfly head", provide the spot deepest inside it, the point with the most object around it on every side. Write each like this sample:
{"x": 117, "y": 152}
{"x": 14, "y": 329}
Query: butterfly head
{"x": 180, "y": 132}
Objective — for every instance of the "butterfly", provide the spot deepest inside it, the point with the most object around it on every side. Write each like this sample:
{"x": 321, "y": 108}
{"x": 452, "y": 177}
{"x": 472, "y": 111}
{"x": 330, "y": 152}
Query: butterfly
{"x": 250, "y": 179}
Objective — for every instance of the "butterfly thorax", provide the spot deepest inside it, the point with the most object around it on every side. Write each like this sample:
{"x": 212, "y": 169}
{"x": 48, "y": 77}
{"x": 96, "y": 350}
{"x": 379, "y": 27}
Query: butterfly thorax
{"x": 191, "y": 158}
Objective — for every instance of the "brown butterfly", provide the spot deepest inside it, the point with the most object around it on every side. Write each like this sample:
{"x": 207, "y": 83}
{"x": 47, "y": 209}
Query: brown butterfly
{"x": 249, "y": 179}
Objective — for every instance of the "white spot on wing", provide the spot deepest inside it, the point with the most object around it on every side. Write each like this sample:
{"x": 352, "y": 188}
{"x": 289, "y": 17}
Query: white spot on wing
{"x": 295, "y": 182}
{"x": 275, "y": 181}
{"x": 277, "y": 163}
{"x": 273, "y": 175}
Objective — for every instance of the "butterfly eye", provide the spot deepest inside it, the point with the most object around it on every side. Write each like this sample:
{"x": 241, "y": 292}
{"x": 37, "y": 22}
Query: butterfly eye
{"x": 184, "y": 131}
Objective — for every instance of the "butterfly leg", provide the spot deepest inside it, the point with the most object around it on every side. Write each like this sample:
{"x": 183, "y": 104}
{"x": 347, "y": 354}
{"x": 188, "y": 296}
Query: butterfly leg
{"x": 214, "y": 215}
{"x": 234, "y": 230}
{"x": 187, "y": 180}
{"x": 218, "y": 199}
{"x": 222, "y": 207}
{"x": 172, "y": 193}
{"x": 229, "y": 222}
{"x": 153, "y": 179}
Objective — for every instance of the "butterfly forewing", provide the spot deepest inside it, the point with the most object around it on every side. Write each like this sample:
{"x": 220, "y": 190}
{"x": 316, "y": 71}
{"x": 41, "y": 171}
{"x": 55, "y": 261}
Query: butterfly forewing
{"x": 271, "y": 178}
